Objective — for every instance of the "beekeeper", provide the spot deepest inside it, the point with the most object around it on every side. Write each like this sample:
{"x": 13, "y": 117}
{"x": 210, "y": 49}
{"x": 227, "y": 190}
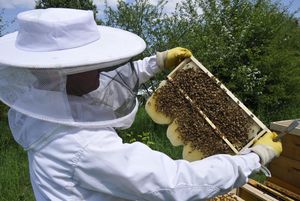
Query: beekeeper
{"x": 69, "y": 84}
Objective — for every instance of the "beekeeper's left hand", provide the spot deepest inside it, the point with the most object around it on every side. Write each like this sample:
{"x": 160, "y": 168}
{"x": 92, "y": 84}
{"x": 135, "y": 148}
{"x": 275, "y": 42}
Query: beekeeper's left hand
{"x": 266, "y": 148}
{"x": 171, "y": 58}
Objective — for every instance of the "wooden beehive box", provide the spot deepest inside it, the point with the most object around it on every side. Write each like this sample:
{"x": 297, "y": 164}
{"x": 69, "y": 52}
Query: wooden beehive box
{"x": 201, "y": 90}
{"x": 285, "y": 169}
{"x": 249, "y": 192}
{"x": 284, "y": 184}
{"x": 255, "y": 191}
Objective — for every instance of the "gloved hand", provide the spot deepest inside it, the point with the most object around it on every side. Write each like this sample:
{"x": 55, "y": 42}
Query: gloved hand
{"x": 266, "y": 148}
{"x": 171, "y": 58}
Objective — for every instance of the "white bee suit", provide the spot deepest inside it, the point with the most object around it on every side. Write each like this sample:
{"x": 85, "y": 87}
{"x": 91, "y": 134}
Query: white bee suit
{"x": 71, "y": 163}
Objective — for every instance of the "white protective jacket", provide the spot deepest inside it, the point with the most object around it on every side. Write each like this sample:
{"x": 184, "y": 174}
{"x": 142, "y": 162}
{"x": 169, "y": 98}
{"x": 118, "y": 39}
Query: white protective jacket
{"x": 71, "y": 163}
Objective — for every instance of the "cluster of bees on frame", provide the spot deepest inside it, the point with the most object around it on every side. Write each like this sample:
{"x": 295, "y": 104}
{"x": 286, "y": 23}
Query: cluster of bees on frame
{"x": 186, "y": 125}
{"x": 226, "y": 197}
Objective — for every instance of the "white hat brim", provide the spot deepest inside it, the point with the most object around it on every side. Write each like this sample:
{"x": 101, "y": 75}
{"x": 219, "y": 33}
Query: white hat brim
{"x": 114, "y": 47}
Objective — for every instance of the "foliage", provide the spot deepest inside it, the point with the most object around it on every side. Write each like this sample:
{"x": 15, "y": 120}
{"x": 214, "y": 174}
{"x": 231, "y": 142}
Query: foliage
{"x": 144, "y": 137}
{"x": 253, "y": 51}
{"x": 77, "y": 4}
{"x": 236, "y": 39}
{"x": 252, "y": 46}
{"x": 280, "y": 98}
{"x": 139, "y": 17}
{"x": 3, "y": 112}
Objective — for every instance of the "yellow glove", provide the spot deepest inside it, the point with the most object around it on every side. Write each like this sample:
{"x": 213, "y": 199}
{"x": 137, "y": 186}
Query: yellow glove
{"x": 171, "y": 58}
{"x": 266, "y": 148}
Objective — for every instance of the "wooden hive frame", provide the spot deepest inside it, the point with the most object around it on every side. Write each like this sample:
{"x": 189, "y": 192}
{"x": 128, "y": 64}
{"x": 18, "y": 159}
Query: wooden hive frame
{"x": 258, "y": 128}
{"x": 285, "y": 169}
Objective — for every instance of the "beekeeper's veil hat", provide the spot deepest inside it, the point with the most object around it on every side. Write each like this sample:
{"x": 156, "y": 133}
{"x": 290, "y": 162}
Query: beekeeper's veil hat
{"x": 52, "y": 43}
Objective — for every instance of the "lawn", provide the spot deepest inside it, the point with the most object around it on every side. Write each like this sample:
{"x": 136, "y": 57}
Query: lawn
{"x": 14, "y": 176}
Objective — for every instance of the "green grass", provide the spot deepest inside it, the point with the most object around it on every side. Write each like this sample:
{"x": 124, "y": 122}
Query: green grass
{"x": 14, "y": 175}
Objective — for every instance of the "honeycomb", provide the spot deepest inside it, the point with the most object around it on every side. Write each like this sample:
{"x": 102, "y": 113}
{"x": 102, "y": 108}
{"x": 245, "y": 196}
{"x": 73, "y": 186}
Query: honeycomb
{"x": 179, "y": 102}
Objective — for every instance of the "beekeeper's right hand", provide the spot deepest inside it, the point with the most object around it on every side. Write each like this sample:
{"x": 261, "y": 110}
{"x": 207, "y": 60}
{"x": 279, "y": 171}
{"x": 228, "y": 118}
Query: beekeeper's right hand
{"x": 266, "y": 148}
{"x": 171, "y": 58}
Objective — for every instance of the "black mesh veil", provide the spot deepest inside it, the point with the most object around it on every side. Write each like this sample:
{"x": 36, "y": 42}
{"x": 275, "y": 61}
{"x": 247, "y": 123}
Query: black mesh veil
{"x": 42, "y": 94}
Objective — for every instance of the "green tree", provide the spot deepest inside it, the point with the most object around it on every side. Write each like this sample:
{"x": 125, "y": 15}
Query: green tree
{"x": 144, "y": 19}
{"x": 77, "y": 4}
{"x": 251, "y": 45}
{"x": 140, "y": 17}
{"x": 281, "y": 98}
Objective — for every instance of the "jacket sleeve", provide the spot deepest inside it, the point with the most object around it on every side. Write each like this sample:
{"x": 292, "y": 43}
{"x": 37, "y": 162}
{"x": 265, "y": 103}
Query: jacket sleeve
{"x": 146, "y": 68}
{"x": 135, "y": 172}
